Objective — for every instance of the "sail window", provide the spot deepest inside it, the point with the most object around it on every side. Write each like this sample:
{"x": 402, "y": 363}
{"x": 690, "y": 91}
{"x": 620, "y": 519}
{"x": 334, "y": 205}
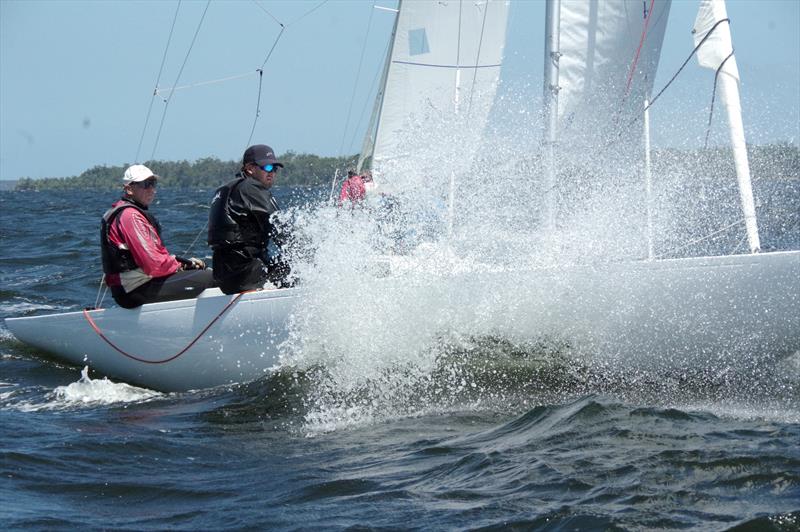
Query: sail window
{"x": 418, "y": 42}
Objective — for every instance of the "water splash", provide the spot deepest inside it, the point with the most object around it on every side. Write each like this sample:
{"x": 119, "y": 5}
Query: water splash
{"x": 95, "y": 392}
{"x": 394, "y": 287}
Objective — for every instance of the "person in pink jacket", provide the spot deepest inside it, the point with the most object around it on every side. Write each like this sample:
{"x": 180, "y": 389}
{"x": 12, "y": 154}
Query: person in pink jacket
{"x": 138, "y": 268}
{"x": 352, "y": 189}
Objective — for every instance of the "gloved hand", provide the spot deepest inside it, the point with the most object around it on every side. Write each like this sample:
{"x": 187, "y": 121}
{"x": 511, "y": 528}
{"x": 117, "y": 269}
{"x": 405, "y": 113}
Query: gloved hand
{"x": 191, "y": 263}
{"x": 197, "y": 264}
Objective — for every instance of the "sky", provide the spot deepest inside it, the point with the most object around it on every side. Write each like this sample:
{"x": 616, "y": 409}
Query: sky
{"x": 77, "y": 77}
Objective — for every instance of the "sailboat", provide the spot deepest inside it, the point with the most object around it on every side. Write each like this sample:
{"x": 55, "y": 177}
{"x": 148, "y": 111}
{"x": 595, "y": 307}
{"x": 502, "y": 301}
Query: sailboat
{"x": 442, "y": 72}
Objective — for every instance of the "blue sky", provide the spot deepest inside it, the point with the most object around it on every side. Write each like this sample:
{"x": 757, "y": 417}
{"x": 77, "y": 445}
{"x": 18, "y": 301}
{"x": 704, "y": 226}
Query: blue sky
{"x": 77, "y": 77}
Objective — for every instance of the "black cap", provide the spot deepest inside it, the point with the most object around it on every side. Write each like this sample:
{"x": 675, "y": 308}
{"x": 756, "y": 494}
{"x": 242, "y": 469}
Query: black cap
{"x": 260, "y": 154}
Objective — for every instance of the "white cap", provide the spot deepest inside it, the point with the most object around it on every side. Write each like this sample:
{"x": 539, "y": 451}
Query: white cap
{"x": 137, "y": 173}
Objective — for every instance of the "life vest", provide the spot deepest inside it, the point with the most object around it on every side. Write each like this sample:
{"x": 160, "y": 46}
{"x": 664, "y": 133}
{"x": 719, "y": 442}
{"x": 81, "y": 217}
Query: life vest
{"x": 115, "y": 259}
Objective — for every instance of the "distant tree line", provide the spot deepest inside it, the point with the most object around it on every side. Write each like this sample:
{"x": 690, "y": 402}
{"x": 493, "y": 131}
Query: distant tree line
{"x": 301, "y": 169}
{"x": 772, "y": 161}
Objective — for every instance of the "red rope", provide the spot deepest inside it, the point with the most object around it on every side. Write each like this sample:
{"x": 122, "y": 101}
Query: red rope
{"x": 173, "y": 357}
{"x": 639, "y": 50}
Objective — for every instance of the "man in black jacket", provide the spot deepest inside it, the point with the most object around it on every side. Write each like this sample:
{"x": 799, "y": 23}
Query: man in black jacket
{"x": 240, "y": 227}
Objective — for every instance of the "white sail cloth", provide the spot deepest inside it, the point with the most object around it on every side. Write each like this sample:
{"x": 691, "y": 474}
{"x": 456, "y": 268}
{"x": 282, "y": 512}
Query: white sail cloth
{"x": 445, "y": 62}
{"x": 609, "y": 52}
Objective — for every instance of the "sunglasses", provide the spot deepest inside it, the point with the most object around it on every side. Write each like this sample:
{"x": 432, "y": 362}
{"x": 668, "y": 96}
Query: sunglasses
{"x": 269, "y": 168}
{"x": 149, "y": 183}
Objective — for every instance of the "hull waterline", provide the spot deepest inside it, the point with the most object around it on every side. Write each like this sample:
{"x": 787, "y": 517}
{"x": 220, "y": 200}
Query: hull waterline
{"x": 706, "y": 312}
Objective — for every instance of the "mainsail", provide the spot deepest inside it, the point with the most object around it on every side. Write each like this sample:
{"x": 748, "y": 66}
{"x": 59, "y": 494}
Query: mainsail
{"x": 444, "y": 62}
{"x": 608, "y": 56}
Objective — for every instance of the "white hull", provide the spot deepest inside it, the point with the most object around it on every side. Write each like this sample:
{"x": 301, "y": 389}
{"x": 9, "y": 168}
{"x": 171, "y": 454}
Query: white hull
{"x": 741, "y": 309}
{"x": 242, "y": 345}
{"x": 695, "y": 313}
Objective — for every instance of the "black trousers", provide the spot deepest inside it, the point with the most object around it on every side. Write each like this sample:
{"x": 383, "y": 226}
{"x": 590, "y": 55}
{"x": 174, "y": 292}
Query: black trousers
{"x": 180, "y": 285}
{"x": 236, "y": 270}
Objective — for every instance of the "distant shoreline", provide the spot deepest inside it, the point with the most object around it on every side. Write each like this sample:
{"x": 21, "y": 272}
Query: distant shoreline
{"x": 771, "y": 161}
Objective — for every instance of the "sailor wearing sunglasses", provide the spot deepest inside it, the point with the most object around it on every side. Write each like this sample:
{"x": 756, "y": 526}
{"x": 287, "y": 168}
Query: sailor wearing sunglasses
{"x": 241, "y": 227}
{"x": 138, "y": 268}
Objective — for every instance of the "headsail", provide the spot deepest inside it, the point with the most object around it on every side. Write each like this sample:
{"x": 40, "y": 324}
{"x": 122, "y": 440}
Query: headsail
{"x": 445, "y": 60}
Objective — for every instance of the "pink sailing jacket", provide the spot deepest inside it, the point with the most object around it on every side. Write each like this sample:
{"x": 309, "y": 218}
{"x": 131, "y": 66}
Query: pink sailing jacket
{"x": 133, "y": 231}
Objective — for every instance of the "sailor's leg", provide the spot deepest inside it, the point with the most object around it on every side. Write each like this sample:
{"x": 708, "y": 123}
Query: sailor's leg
{"x": 235, "y": 272}
{"x": 179, "y": 285}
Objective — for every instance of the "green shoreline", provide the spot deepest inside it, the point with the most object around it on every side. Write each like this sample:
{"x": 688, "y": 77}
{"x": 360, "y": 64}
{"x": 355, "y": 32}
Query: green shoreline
{"x": 299, "y": 170}
{"x": 771, "y": 161}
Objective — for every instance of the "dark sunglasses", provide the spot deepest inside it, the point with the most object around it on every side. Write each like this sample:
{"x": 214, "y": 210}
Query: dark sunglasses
{"x": 269, "y": 168}
{"x": 148, "y": 183}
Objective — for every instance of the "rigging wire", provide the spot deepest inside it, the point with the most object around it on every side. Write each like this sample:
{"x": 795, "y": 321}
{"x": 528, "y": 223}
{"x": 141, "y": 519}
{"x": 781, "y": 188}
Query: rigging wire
{"x": 304, "y": 15}
{"x": 235, "y": 76}
{"x": 260, "y": 72}
{"x": 101, "y": 292}
{"x": 169, "y": 98}
{"x": 700, "y": 239}
{"x": 657, "y": 96}
{"x": 714, "y": 97}
{"x": 261, "y": 84}
{"x": 158, "y": 80}
{"x": 477, "y": 59}
{"x": 203, "y": 83}
{"x": 357, "y": 78}
{"x": 262, "y": 8}
{"x": 269, "y": 54}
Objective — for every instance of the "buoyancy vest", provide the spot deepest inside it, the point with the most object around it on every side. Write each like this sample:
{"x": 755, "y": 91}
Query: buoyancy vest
{"x": 115, "y": 259}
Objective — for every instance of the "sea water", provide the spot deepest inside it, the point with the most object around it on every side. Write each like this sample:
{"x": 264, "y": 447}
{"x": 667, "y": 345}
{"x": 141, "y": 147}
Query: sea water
{"x": 377, "y": 419}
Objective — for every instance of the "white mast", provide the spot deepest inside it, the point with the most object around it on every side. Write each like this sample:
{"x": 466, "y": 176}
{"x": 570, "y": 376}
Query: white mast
{"x": 551, "y": 58}
{"x": 717, "y": 53}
